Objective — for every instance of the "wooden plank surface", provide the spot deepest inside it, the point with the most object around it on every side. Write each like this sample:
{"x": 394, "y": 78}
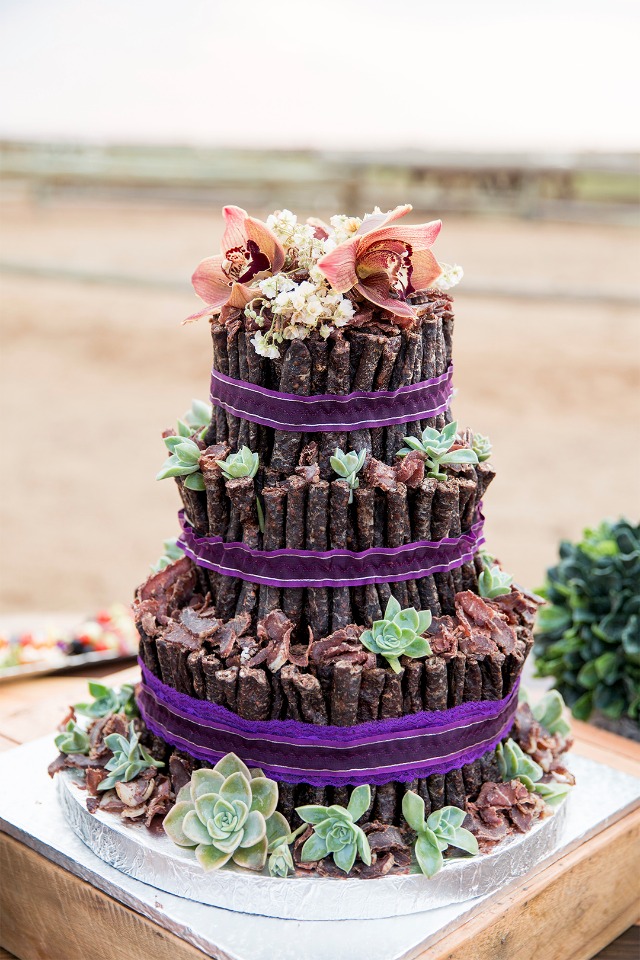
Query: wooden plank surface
{"x": 569, "y": 911}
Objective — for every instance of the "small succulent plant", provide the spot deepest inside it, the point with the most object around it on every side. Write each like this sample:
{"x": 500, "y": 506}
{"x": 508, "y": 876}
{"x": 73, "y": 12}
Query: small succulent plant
{"x": 197, "y": 418}
{"x": 494, "y": 582}
{"x": 443, "y": 828}
{"x": 549, "y": 712}
{"x": 280, "y": 861}
{"x": 398, "y": 634}
{"x": 514, "y": 764}
{"x": 347, "y": 466}
{"x": 588, "y": 634}
{"x": 109, "y": 700}
{"x": 183, "y": 462}
{"x": 435, "y": 445}
{"x": 129, "y": 759}
{"x": 336, "y": 832}
{"x": 481, "y": 446}
{"x": 244, "y": 463}
{"x": 72, "y": 739}
{"x": 228, "y": 813}
{"x": 171, "y": 553}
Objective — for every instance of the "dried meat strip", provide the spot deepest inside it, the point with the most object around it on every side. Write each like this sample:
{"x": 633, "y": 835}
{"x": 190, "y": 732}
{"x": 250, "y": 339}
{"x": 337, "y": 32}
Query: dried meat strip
{"x": 338, "y": 378}
{"x": 274, "y": 500}
{"x": 338, "y": 529}
{"x": 318, "y": 598}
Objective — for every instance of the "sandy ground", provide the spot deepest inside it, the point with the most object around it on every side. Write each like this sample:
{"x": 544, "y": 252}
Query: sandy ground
{"x": 92, "y": 372}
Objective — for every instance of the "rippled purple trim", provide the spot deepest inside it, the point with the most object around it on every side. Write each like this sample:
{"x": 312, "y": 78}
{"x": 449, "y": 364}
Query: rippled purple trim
{"x": 403, "y": 749}
{"x": 322, "y": 412}
{"x": 331, "y": 568}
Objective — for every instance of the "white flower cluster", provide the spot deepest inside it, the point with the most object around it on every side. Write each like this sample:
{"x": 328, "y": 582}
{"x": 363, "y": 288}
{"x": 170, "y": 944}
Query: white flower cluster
{"x": 297, "y": 309}
{"x": 451, "y": 275}
{"x": 301, "y": 245}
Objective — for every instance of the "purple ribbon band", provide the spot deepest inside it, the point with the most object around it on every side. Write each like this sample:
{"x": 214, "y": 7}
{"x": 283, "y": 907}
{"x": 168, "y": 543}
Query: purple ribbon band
{"x": 322, "y": 412}
{"x": 401, "y": 749}
{"x": 331, "y": 568}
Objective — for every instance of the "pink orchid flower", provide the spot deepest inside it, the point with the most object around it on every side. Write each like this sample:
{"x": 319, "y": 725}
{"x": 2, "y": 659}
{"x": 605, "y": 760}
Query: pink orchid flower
{"x": 250, "y": 252}
{"x": 384, "y": 262}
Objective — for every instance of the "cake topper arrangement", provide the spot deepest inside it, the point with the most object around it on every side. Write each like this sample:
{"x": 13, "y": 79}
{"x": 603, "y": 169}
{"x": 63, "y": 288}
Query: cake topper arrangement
{"x": 330, "y": 661}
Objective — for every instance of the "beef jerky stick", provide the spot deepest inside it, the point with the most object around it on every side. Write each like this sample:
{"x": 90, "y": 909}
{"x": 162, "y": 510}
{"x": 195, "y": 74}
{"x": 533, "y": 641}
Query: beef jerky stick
{"x": 365, "y": 598}
{"x": 370, "y": 350}
{"x": 397, "y": 533}
{"x": 274, "y": 500}
{"x": 435, "y": 784}
{"x": 195, "y": 507}
{"x": 490, "y": 768}
{"x": 221, "y": 364}
{"x": 233, "y": 423}
{"x": 312, "y": 705}
{"x": 210, "y": 665}
{"x": 227, "y": 684}
{"x": 292, "y": 597}
{"x": 277, "y": 698}
{"x": 287, "y": 673}
{"x": 512, "y": 667}
{"x": 379, "y": 540}
{"x": 454, "y": 792}
{"x": 456, "y": 677}
{"x": 286, "y": 803}
{"x": 413, "y": 671}
{"x": 385, "y": 808}
{"x": 340, "y": 795}
{"x": 371, "y": 687}
{"x": 254, "y": 694}
{"x": 445, "y": 503}
{"x": 491, "y": 667}
{"x": 472, "y": 680}
{"x": 217, "y": 506}
{"x": 319, "y": 350}
{"x": 485, "y": 474}
{"x": 317, "y": 598}
{"x": 338, "y": 526}
{"x": 258, "y": 435}
{"x": 242, "y": 494}
{"x": 455, "y": 528}
{"x": 194, "y": 663}
{"x": 436, "y": 691}
{"x": 472, "y": 776}
{"x": 337, "y": 384}
{"x": 447, "y": 332}
{"x": 421, "y": 530}
{"x": 381, "y": 382}
{"x": 244, "y": 431}
{"x": 345, "y": 689}
{"x": 391, "y": 701}
{"x": 396, "y": 434}
{"x": 423, "y": 791}
{"x": 296, "y": 379}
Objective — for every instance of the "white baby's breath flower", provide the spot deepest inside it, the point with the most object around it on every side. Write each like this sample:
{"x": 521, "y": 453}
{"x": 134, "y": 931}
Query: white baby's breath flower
{"x": 344, "y": 227}
{"x": 451, "y": 275}
{"x": 325, "y": 331}
{"x": 263, "y": 347}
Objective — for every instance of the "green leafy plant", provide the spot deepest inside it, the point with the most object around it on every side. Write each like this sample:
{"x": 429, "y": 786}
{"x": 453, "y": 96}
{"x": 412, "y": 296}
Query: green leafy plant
{"x": 481, "y": 446}
{"x": 398, "y": 634}
{"x": 442, "y": 829}
{"x": 244, "y": 463}
{"x": 73, "y": 739}
{"x": 109, "y": 700}
{"x": 336, "y": 832}
{"x": 228, "y": 813}
{"x": 347, "y": 466}
{"x": 129, "y": 759}
{"x": 514, "y": 764}
{"x": 493, "y": 582}
{"x": 197, "y": 418}
{"x": 183, "y": 462}
{"x": 435, "y": 445}
{"x": 280, "y": 861}
{"x": 172, "y": 552}
{"x": 588, "y": 636}
{"x": 549, "y": 712}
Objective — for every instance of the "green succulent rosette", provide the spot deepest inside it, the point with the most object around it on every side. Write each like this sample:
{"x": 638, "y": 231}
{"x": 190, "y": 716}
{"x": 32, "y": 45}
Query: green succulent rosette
{"x": 493, "y": 582}
{"x": 336, "y": 832}
{"x": 171, "y": 553}
{"x": 108, "y": 700}
{"x": 347, "y": 466}
{"x": 129, "y": 759}
{"x": 515, "y": 764}
{"x": 228, "y": 813}
{"x": 436, "y": 448}
{"x": 183, "y": 462}
{"x": 72, "y": 739}
{"x": 442, "y": 829}
{"x": 244, "y": 463}
{"x": 481, "y": 446}
{"x": 399, "y": 634}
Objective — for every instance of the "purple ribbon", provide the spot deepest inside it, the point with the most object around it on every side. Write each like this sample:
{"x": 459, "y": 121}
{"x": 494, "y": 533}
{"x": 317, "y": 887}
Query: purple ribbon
{"x": 402, "y": 749}
{"x": 322, "y": 412}
{"x": 331, "y": 568}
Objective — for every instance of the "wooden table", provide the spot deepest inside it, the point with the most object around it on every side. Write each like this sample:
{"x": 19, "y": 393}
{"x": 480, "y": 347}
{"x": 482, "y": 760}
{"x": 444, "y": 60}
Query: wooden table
{"x": 569, "y": 911}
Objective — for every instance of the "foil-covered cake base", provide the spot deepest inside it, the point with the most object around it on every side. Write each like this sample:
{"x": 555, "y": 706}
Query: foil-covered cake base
{"x": 157, "y": 861}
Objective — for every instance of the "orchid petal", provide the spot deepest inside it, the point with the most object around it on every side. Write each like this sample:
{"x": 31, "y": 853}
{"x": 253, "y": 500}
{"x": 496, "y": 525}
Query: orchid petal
{"x": 240, "y": 295}
{"x": 425, "y": 270}
{"x": 267, "y": 241}
{"x": 206, "y": 312}
{"x": 235, "y": 234}
{"x": 374, "y": 221}
{"x": 210, "y": 282}
{"x": 418, "y": 236}
{"x": 339, "y": 266}
{"x": 376, "y": 290}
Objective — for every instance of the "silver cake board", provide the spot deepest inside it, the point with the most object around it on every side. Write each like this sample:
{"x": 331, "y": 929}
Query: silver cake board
{"x": 30, "y": 812}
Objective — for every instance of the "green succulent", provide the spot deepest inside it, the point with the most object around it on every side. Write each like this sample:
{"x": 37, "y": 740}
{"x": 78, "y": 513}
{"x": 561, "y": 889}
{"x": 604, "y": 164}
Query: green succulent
{"x": 347, "y": 466}
{"x": 336, "y": 832}
{"x": 172, "y": 552}
{"x": 588, "y": 635}
{"x": 443, "y": 828}
{"x": 549, "y": 712}
{"x": 514, "y": 764}
{"x": 481, "y": 446}
{"x": 228, "y": 813}
{"x": 129, "y": 759}
{"x": 436, "y": 445}
{"x": 73, "y": 739}
{"x": 109, "y": 700}
{"x": 494, "y": 582}
{"x": 244, "y": 463}
{"x": 183, "y": 462}
{"x": 197, "y": 418}
{"x": 399, "y": 634}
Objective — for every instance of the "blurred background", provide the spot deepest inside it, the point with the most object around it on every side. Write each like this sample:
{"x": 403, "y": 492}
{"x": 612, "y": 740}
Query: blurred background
{"x": 125, "y": 127}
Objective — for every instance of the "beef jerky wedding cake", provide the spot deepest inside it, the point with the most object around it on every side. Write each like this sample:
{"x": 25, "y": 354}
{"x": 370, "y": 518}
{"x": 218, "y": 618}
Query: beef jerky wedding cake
{"x": 330, "y": 658}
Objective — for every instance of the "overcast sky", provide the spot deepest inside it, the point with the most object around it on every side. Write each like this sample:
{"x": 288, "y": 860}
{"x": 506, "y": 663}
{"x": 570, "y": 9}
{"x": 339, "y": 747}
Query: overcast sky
{"x": 462, "y": 74}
